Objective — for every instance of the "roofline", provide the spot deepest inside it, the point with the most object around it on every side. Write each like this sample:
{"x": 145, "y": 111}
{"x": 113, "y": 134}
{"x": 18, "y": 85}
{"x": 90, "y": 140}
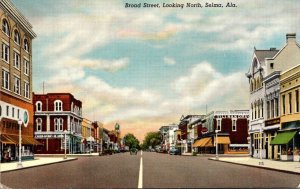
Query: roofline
{"x": 11, "y": 8}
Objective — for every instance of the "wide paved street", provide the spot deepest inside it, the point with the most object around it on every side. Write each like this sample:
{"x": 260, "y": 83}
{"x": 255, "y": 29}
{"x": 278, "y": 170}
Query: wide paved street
{"x": 158, "y": 171}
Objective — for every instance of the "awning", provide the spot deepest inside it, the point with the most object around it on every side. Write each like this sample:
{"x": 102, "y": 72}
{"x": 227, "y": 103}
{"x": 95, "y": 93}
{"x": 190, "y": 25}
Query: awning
{"x": 30, "y": 141}
{"x": 283, "y": 138}
{"x": 197, "y": 143}
{"x": 5, "y": 140}
{"x": 14, "y": 139}
{"x": 223, "y": 140}
{"x": 203, "y": 142}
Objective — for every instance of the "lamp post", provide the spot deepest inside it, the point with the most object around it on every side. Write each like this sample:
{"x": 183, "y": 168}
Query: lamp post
{"x": 260, "y": 146}
{"x": 217, "y": 157}
{"x": 19, "y": 165}
{"x": 65, "y": 132}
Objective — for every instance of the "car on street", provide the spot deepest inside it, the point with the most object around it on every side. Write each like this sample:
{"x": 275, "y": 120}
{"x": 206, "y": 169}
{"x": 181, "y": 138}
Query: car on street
{"x": 174, "y": 151}
{"x": 133, "y": 151}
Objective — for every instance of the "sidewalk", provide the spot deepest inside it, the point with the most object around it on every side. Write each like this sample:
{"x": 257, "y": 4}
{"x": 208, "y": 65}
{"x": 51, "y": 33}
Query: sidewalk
{"x": 38, "y": 161}
{"x": 283, "y": 166}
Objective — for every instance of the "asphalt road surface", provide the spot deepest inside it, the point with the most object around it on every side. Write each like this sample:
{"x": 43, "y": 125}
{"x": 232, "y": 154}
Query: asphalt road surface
{"x": 156, "y": 171}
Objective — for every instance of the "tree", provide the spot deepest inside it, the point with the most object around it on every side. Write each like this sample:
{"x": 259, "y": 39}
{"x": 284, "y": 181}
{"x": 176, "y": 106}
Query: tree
{"x": 152, "y": 139}
{"x": 131, "y": 141}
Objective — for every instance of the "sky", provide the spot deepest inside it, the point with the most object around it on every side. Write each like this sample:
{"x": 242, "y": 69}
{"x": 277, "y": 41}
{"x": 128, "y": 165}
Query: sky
{"x": 146, "y": 67}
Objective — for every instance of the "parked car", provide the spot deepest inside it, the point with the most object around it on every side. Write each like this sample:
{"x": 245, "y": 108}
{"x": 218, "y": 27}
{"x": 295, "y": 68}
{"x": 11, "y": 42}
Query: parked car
{"x": 174, "y": 151}
{"x": 133, "y": 151}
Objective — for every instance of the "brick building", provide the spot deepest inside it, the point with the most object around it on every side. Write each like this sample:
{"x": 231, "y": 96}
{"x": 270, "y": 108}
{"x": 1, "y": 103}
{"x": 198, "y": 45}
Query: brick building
{"x": 232, "y": 132}
{"x": 16, "y": 82}
{"x": 57, "y": 115}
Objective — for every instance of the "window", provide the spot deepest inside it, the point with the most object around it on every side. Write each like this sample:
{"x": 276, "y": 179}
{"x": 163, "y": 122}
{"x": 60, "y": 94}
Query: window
{"x": 272, "y": 108}
{"x": 276, "y": 107}
{"x": 58, "y": 105}
{"x": 13, "y": 112}
{"x": 58, "y": 123}
{"x": 18, "y": 114}
{"x": 297, "y": 100}
{"x": 5, "y": 52}
{"x": 26, "y": 45}
{"x": 38, "y": 106}
{"x": 234, "y": 125}
{"x": 5, "y": 27}
{"x": 5, "y": 79}
{"x": 26, "y": 89}
{"x": 38, "y": 124}
{"x": 290, "y": 102}
{"x": 283, "y": 104}
{"x": 262, "y": 108}
{"x": 258, "y": 110}
{"x": 219, "y": 124}
{"x": 17, "y": 37}
{"x": 17, "y": 85}
{"x": 0, "y": 110}
{"x": 271, "y": 65}
{"x": 7, "y": 110}
{"x": 26, "y": 67}
{"x": 16, "y": 60}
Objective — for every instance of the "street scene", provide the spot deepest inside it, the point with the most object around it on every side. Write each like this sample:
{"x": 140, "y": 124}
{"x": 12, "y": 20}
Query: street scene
{"x": 126, "y": 94}
{"x": 159, "y": 171}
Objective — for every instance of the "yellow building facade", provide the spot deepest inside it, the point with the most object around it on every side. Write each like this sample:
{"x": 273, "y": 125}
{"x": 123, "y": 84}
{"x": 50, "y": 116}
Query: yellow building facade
{"x": 288, "y": 139}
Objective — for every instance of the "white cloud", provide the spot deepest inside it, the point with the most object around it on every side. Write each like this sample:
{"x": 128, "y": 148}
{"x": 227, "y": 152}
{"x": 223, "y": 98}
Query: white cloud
{"x": 205, "y": 85}
{"x": 169, "y": 61}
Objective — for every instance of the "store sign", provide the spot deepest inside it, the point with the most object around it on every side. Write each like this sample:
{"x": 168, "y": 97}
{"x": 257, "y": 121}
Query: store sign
{"x": 272, "y": 122}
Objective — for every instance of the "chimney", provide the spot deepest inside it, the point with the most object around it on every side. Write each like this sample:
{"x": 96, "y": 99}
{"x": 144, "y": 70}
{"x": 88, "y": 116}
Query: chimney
{"x": 290, "y": 37}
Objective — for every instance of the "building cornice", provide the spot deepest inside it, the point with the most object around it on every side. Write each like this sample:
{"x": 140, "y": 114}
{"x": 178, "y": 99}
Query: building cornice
{"x": 16, "y": 14}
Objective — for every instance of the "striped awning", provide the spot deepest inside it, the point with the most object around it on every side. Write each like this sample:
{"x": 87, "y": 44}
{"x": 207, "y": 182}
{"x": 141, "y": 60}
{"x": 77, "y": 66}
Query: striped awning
{"x": 203, "y": 142}
{"x": 223, "y": 140}
{"x": 14, "y": 139}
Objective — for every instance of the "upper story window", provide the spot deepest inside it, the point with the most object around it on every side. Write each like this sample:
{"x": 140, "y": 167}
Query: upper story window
{"x": 58, "y": 124}
{"x": 16, "y": 60}
{"x": 219, "y": 124}
{"x": 5, "y": 27}
{"x": 5, "y": 52}
{"x": 38, "y": 124}
{"x": 5, "y": 79}
{"x": 17, "y": 85}
{"x": 58, "y": 105}
{"x": 26, "y": 67}
{"x": 38, "y": 106}
{"x": 26, "y": 45}
{"x": 17, "y": 37}
{"x": 26, "y": 89}
{"x": 234, "y": 125}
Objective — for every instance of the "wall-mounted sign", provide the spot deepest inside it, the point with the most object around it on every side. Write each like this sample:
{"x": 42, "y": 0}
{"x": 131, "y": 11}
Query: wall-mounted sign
{"x": 272, "y": 122}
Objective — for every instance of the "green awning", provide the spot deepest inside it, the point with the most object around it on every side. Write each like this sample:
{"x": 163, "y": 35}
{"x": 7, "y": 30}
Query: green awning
{"x": 283, "y": 138}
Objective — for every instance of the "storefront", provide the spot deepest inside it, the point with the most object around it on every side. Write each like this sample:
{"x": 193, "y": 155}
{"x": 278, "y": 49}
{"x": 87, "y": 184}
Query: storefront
{"x": 289, "y": 144}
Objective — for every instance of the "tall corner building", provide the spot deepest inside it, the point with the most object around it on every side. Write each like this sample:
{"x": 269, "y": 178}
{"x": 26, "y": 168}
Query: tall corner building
{"x": 16, "y": 82}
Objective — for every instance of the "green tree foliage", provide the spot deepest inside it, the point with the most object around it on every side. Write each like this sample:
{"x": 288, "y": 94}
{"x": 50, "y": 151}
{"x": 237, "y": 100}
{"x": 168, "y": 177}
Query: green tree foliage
{"x": 152, "y": 139}
{"x": 131, "y": 141}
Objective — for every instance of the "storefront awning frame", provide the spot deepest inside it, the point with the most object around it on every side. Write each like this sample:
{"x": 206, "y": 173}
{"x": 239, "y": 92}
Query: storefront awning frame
{"x": 283, "y": 138}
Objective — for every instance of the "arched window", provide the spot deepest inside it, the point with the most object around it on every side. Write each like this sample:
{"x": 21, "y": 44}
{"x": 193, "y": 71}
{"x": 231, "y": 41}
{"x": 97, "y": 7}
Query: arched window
{"x": 5, "y": 27}
{"x": 17, "y": 37}
{"x": 38, "y": 106}
{"x": 58, "y": 124}
{"x": 26, "y": 45}
{"x": 58, "y": 105}
{"x": 38, "y": 124}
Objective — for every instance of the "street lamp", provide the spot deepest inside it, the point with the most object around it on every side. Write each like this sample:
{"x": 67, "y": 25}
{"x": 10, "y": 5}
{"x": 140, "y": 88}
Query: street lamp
{"x": 260, "y": 146}
{"x": 19, "y": 165}
{"x": 217, "y": 157}
{"x": 65, "y": 132}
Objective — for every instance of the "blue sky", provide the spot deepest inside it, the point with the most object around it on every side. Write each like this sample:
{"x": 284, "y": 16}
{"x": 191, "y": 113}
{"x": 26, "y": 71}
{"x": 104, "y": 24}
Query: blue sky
{"x": 145, "y": 67}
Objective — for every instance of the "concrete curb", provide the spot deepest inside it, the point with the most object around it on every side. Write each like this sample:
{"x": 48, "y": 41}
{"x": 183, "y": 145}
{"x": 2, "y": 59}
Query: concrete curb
{"x": 33, "y": 166}
{"x": 260, "y": 167}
